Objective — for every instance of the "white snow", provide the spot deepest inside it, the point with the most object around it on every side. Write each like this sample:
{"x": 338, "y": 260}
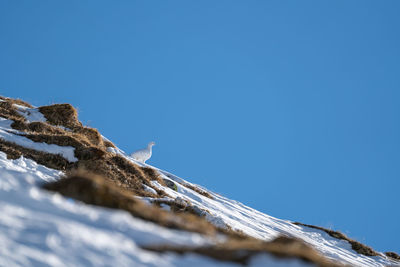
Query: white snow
{"x": 149, "y": 189}
{"x": 41, "y": 228}
{"x": 112, "y": 150}
{"x": 31, "y": 114}
{"x": 254, "y": 223}
{"x": 10, "y": 135}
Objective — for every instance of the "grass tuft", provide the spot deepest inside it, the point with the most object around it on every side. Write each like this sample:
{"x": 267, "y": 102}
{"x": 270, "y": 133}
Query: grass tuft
{"x": 8, "y": 111}
{"x": 61, "y": 115}
{"x": 393, "y": 255}
{"x": 91, "y": 134}
{"x": 108, "y": 144}
{"x": 16, "y": 101}
{"x": 355, "y": 245}
{"x": 198, "y": 190}
{"x": 53, "y": 161}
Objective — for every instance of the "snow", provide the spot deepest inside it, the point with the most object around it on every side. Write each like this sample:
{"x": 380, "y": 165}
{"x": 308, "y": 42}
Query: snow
{"x": 31, "y": 114}
{"x": 112, "y": 150}
{"x": 149, "y": 189}
{"x": 224, "y": 211}
{"x": 261, "y": 260}
{"x": 10, "y": 135}
{"x": 42, "y": 228}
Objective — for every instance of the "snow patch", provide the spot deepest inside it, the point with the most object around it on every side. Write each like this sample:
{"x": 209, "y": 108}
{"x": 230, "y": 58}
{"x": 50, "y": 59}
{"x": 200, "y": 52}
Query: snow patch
{"x": 149, "y": 189}
{"x": 30, "y": 114}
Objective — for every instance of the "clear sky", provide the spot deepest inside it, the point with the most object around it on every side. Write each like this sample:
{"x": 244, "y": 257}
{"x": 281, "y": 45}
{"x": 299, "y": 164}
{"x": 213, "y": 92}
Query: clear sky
{"x": 291, "y": 107}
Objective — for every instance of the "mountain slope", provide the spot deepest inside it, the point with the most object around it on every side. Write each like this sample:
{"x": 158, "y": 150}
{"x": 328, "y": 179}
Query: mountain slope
{"x": 174, "y": 222}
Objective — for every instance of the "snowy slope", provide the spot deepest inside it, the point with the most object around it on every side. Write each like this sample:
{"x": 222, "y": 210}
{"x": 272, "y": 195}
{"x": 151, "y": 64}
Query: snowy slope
{"x": 43, "y": 229}
{"x": 263, "y": 226}
{"x": 39, "y": 228}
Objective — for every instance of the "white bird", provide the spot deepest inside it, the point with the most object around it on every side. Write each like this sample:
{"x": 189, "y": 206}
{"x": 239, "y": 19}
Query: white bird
{"x": 143, "y": 154}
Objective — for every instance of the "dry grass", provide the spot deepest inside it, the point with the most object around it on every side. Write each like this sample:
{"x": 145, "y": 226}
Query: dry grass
{"x": 16, "y": 101}
{"x": 14, "y": 151}
{"x": 142, "y": 173}
{"x": 234, "y": 233}
{"x": 36, "y": 127}
{"x": 150, "y": 172}
{"x": 83, "y": 149}
{"x": 8, "y": 111}
{"x": 105, "y": 179}
{"x": 355, "y": 245}
{"x": 393, "y": 255}
{"x": 85, "y": 135}
{"x": 90, "y": 150}
{"x": 97, "y": 160}
{"x": 92, "y": 135}
{"x": 242, "y": 250}
{"x": 182, "y": 206}
{"x": 108, "y": 144}
{"x": 194, "y": 188}
{"x": 61, "y": 115}
{"x": 122, "y": 172}
{"x": 96, "y": 190}
{"x": 198, "y": 190}
{"x": 57, "y": 139}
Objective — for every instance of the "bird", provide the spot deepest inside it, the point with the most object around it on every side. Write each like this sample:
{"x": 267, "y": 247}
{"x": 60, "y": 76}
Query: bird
{"x": 143, "y": 154}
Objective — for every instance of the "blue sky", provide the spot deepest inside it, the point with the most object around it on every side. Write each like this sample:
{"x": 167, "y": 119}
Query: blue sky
{"x": 292, "y": 107}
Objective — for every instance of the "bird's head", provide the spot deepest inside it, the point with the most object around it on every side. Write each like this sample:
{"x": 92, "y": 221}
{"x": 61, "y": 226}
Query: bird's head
{"x": 152, "y": 144}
